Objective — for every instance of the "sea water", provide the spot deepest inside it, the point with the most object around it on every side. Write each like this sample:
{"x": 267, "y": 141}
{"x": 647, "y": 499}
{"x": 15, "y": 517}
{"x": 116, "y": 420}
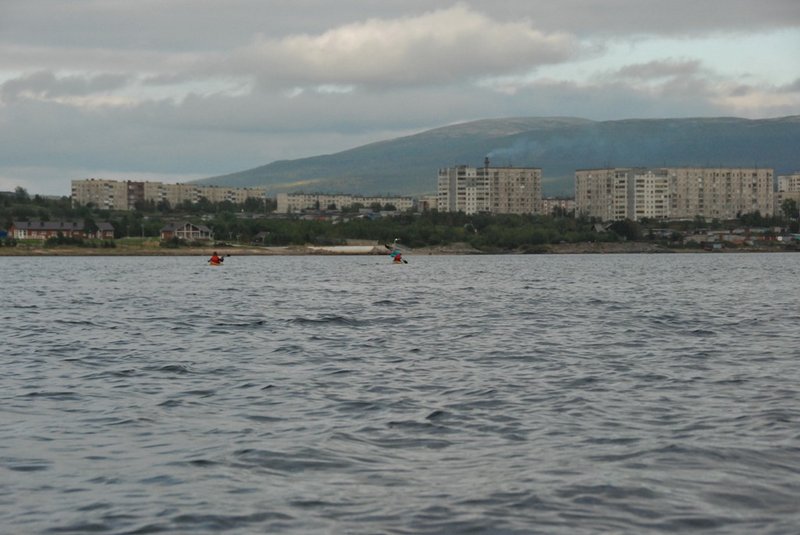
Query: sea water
{"x": 455, "y": 394}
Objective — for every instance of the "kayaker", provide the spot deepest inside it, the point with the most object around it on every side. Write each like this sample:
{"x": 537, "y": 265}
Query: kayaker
{"x": 216, "y": 260}
{"x": 394, "y": 252}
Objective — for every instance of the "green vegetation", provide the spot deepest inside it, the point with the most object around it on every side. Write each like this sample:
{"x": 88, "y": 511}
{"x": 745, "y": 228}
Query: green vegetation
{"x": 58, "y": 241}
{"x": 254, "y": 223}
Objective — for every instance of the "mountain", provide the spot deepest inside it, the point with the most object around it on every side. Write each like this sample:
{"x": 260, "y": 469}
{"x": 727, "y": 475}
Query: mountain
{"x": 559, "y": 145}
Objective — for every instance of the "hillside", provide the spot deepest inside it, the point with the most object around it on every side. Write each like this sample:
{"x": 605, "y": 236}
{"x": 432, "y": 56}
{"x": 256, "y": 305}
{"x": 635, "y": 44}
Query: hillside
{"x": 409, "y": 165}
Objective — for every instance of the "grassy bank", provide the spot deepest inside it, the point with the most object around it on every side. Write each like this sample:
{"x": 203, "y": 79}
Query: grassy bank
{"x": 140, "y": 247}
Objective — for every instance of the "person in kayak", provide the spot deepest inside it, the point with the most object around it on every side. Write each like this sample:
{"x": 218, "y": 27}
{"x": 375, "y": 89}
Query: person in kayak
{"x": 215, "y": 260}
{"x": 395, "y": 252}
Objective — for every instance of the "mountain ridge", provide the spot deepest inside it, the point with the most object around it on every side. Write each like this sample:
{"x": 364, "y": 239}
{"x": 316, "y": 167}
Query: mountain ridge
{"x": 408, "y": 165}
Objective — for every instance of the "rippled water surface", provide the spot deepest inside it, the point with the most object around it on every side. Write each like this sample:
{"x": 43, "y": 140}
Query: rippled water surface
{"x": 488, "y": 394}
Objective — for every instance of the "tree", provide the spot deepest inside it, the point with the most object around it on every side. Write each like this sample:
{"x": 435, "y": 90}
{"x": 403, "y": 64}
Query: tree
{"x": 630, "y": 230}
{"x": 254, "y": 204}
{"x": 21, "y": 195}
{"x": 790, "y": 209}
{"x": 752, "y": 219}
{"x": 203, "y": 205}
{"x": 90, "y": 228}
{"x": 560, "y": 211}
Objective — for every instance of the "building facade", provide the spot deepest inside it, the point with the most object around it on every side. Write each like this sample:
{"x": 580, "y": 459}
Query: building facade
{"x": 673, "y": 193}
{"x": 492, "y": 190}
{"x": 288, "y": 203}
{"x": 551, "y": 204}
{"x": 186, "y": 231}
{"x": 105, "y": 194}
{"x": 650, "y": 197}
{"x": 602, "y": 193}
{"x": 123, "y": 195}
{"x": 43, "y": 230}
{"x": 788, "y": 189}
{"x": 721, "y": 192}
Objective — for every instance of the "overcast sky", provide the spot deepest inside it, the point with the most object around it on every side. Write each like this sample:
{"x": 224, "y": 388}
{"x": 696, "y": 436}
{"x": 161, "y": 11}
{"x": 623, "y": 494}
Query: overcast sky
{"x": 174, "y": 90}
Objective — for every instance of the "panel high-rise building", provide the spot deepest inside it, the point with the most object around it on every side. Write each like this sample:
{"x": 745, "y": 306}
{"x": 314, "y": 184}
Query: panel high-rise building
{"x": 124, "y": 194}
{"x": 493, "y": 190}
{"x": 288, "y": 203}
{"x": 673, "y": 192}
{"x": 788, "y": 189}
{"x": 105, "y": 194}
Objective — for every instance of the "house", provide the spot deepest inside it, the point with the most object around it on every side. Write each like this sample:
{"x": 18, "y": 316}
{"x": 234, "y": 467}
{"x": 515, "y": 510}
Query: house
{"x": 260, "y": 238}
{"x": 186, "y": 231}
{"x": 42, "y": 230}
{"x": 105, "y": 231}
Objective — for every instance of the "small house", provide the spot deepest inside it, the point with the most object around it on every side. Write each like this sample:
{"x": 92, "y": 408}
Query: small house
{"x": 186, "y": 231}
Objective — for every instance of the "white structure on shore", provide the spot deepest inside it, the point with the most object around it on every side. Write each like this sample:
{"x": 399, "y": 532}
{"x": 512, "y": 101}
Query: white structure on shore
{"x": 492, "y": 190}
{"x": 123, "y": 195}
{"x": 673, "y": 192}
{"x": 288, "y": 203}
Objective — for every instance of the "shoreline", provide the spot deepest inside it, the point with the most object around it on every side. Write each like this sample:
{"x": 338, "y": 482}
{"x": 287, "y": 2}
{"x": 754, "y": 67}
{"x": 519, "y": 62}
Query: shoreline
{"x": 301, "y": 250}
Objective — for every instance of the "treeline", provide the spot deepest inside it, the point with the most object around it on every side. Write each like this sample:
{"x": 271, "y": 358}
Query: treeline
{"x": 493, "y": 233}
{"x": 252, "y": 223}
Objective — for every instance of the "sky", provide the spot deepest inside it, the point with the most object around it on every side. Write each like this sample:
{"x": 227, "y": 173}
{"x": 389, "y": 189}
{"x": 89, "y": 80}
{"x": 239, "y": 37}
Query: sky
{"x": 176, "y": 90}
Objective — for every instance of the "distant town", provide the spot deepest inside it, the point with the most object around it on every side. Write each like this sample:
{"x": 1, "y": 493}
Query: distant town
{"x": 611, "y": 194}
{"x": 730, "y": 204}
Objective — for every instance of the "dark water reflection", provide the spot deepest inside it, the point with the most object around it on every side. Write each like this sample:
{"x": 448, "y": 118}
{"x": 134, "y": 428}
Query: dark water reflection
{"x": 536, "y": 394}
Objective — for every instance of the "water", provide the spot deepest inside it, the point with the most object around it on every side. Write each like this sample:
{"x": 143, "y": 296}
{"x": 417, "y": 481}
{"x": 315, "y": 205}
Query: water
{"x": 490, "y": 394}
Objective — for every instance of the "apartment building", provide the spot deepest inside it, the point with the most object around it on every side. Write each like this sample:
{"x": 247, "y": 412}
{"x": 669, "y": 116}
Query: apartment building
{"x": 550, "y": 204}
{"x": 288, "y": 203}
{"x": 494, "y": 190}
{"x": 105, "y": 194}
{"x": 721, "y": 192}
{"x": 602, "y": 193}
{"x": 788, "y": 189}
{"x": 177, "y": 194}
{"x": 651, "y": 195}
{"x": 123, "y": 195}
{"x": 673, "y": 193}
{"x": 463, "y": 188}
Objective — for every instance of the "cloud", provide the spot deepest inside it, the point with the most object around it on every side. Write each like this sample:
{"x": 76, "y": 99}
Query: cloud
{"x": 446, "y": 46}
{"x": 660, "y": 69}
{"x": 794, "y": 87}
{"x": 762, "y": 102}
{"x": 439, "y": 47}
{"x": 46, "y": 85}
{"x": 193, "y": 88}
{"x": 191, "y": 25}
{"x": 745, "y": 98}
